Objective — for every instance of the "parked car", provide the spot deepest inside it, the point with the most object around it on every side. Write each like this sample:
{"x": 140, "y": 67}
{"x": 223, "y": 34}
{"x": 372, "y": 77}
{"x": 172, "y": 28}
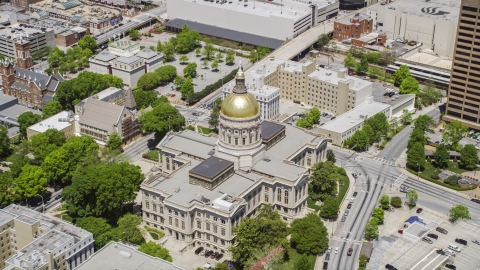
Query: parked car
{"x": 327, "y": 257}
{"x": 349, "y": 252}
{"x": 325, "y": 265}
{"x": 336, "y": 250}
{"x": 432, "y": 235}
{"x": 442, "y": 230}
{"x": 419, "y": 210}
{"x": 343, "y": 219}
{"x": 476, "y": 242}
{"x": 202, "y": 253}
{"x": 450, "y": 266}
{"x": 208, "y": 253}
{"x": 349, "y": 206}
{"x": 173, "y": 95}
{"x": 213, "y": 255}
{"x": 346, "y": 212}
{"x": 441, "y": 251}
{"x": 329, "y": 250}
{"x": 352, "y": 199}
{"x": 355, "y": 194}
{"x": 400, "y": 231}
{"x": 198, "y": 250}
{"x": 476, "y": 200}
{"x": 453, "y": 247}
{"x": 390, "y": 267}
{"x": 461, "y": 241}
{"x": 428, "y": 240}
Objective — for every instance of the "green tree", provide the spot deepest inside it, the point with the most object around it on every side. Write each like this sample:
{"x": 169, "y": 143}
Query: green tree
{"x": 144, "y": 98}
{"x": 259, "y": 53}
{"x": 322, "y": 41}
{"x": 179, "y": 81}
{"x": 409, "y": 86}
{"x": 31, "y": 182}
{"x": 215, "y": 114}
{"x": 302, "y": 263}
{"x": 114, "y": 141}
{"x": 51, "y": 108}
{"x": 7, "y": 194}
{"x": 99, "y": 227}
{"x": 378, "y": 213}
{"x": 309, "y": 235}
{"x": 417, "y": 136}
{"x": 359, "y": 140}
{"x": 205, "y": 63}
{"x": 4, "y": 142}
{"x": 219, "y": 57}
{"x": 323, "y": 180}
{"x": 161, "y": 119}
{"x": 187, "y": 40}
{"x": 198, "y": 52}
{"x": 168, "y": 52}
{"x": 369, "y": 132}
{"x": 442, "y": 156}
{"x": 214, "y": 64}
{"x": 309, "y": 119}
{"x": 401, "y": 74}
{"x": 190, "y": 70}
{"x": 396, "y": 202}
{"x": 469, "y": 157}
{"x": 362, "y": 262}
{"x": 220, "y": 266}
{"x": 362, "y": 67}
{"x": 183, "y": 58}
{"x": 128, "y": 229}
{"x": 412, "y": 197}
{"x": 416, "y": 157}
{"x": 88, "y": 42}
{"x": 148, "y": 81}
{"x": 459, "y": 212}
{"x": 424, "y": 123}
{"x": 253, "y": 234}
{"x": 43, "y": 144}
{"x": 25, "y": 120}
{"x": 406, "y": 118}
{"x": 187, "y": 88}
{"x": 329, "y": 207}
{"x": 350, "y": 62}
{"x": 166, "y": 73}
{"x": 230, "y": 58}
{"x": 102, "y": 190}
{"x": 159, "y": 47}
{"x": 375, "y": 72}
{"x": 155, "y": 250}
{"x": 331, "y": 156}
{"x": 208, "y": 51}
{"x": 134, "y": 33}
{"x": 385, "y": 201}
{"x": 371, "y": 229}
{"x": 453, "y": 133}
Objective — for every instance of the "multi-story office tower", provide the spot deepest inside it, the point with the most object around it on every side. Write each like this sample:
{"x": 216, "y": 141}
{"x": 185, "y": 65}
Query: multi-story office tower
{"x": 464, "y": 92}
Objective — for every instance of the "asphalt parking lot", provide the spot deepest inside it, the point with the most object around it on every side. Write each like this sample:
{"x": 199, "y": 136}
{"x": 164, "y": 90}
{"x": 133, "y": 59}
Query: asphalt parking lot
{"x": 393, "y": 249}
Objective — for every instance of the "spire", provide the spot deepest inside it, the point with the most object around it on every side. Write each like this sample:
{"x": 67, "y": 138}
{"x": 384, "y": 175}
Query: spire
{"x": 239, "y": 87}
{"x": 130, "y": 99}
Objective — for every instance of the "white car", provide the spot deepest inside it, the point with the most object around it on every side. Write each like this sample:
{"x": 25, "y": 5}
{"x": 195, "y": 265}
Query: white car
{"x": 336, "y": 250}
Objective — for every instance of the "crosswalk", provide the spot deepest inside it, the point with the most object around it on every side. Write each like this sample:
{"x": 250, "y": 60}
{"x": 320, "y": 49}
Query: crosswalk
{"x": 351, "y": 241}
{"x": 400, "y": 179}
{"x": 384, "y": 161}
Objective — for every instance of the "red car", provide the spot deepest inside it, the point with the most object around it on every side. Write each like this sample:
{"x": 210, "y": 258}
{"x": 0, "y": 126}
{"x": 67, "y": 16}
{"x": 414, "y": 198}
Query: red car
{"x": 349, "y": 206}
{"x": 349, "y": 252}
{"x": 400, "y": 231}
{"x": 173, "y": 95}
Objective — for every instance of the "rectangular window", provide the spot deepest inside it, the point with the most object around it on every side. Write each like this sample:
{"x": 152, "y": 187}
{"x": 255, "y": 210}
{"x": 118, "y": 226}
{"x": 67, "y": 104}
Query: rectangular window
{"x": 214, "y": 228}
{"x": 183, "y": 225}
{"x": 207, "y": 226}
{"x": 286, "y": 196}
{"x": 176, "y": 223}
{"x": 199, "y": 224}
{"x": 170, "y": 220}
{"x": 223, "y": 231}
{"x": 154, "y": 207}
{"x": 279, "y": 195}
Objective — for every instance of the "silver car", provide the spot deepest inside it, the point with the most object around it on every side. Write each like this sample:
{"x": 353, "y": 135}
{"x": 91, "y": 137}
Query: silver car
{"x": 346, "y": 212}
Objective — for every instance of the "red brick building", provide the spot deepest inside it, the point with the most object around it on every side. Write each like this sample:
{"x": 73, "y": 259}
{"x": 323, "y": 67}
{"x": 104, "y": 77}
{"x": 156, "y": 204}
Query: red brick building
{"x": 23, "y": 3}
{"x": 352, "y": 27}
{"x": 20, "y": 80}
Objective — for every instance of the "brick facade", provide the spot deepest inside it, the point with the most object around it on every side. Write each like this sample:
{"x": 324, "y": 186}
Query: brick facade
{"x": 352, "y": 27}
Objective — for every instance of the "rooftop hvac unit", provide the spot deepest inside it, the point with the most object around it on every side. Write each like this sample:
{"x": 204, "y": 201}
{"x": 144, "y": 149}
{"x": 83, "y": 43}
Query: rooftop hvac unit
{"x": 125, "y": 254}
{"x": 177, "y": 189}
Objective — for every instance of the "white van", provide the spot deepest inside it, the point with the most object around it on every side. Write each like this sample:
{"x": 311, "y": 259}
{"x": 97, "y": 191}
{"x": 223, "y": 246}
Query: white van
{"x": 453, "y": 247}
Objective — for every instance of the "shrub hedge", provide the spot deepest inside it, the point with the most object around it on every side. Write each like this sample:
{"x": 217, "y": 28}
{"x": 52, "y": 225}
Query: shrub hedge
{"x": 197, "y": 96}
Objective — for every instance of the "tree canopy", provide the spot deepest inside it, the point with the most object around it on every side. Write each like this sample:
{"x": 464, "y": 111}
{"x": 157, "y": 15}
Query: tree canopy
{"x": 362, "y": 66}
{"x": 469, "y": 157}
{"x": 331, "y": 156}
{"x": 51, "y": 108}
{"x": 155, "y": 250}
{"x": 409, "y": 86}
{"x": 385, "y": 201}
{"x": 401, "y": 74}
{"x": 70, "y": 92}
{"x": 453, "y": 133}
{"x": 187, "y": 88}
{"x": 309, "y": 235}
{"x": 148, "y": 81}
{"x": 43, "y": 144}
{"x": 161, "y": 119}
{"x": 323, "y": 180}
{"x": 416, "y": 159}
{"x": 371, "y": 229}
{"x": 329, "y": 207}
{"x": 215, "y": 114}
{"x": 259, "y": 53}
{"x": 31, "y": 181}
{"x": 88, "y": 42}
{"x": 322, "y": 41}
{"x": 144, "y": 98}
{"x": 459, "y": 211}
{"x": 187, "y": 40}
{"x": 396, "y": 201}
{"x": 253, "y": 234}
{"x": 4, "y": 142}
{"x": 442, "y": 156}
{"x": 309, "y": 119}
{"x": 134, "y": 33}
{"x": 114, "y": 141}
{"x": 412, "y": 197}
{"x": 25, "y": 120}
{"x": 190, "y": 70}
{"x": 350, "y": 62}
{"x": 424, "y": 123}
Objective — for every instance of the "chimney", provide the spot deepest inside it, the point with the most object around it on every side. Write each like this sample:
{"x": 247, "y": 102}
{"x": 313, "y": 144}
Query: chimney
{"x": 50, "y": 260}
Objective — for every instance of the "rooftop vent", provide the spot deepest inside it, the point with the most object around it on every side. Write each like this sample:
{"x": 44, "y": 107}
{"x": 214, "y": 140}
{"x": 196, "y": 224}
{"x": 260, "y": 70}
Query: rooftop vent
{"x": 177, "y": 189}
{"x": 125, "y": 254}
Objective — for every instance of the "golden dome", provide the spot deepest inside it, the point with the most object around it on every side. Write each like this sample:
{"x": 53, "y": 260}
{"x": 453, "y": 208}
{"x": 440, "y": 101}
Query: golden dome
{"x": 240, "y": 105}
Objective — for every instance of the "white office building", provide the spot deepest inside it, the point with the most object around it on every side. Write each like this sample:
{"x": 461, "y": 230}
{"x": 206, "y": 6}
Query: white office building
{"x": 250, "y": 22}
{"x": 433, "y": 23}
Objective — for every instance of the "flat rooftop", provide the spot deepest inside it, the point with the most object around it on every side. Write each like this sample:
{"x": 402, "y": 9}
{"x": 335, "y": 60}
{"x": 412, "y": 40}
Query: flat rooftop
{"x": 119, "y": 256}
{"x": 189, "y": 193}
{"x": 351, "y": 118}
{"x": 15, "y": 111}
{"x": 346, "y": 20}
{"x": 41, "y": 246}
{"x": 211, "y": 167}
{"x": 77, "y": 11}
{"x": 50, "y": 222}
{"x": 434, "y": 9}
{"x": 14, "y": 32}
{"x": 6, "y": 217}
{"x": 269, "y": 129}
{"x": 331, "y": 76}
{"x": 59, "y": 121}
{"x": 111, "y": 92}
{"x": 293, "y": 66}
{"x": 191, "y": 143}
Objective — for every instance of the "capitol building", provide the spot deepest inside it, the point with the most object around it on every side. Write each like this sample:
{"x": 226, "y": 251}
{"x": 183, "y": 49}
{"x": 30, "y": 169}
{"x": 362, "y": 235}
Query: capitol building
{"x": 208, "y": 184}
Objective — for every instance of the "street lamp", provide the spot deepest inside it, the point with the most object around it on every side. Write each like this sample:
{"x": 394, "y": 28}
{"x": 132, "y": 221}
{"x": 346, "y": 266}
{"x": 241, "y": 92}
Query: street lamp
{"x": 43, "y": 204}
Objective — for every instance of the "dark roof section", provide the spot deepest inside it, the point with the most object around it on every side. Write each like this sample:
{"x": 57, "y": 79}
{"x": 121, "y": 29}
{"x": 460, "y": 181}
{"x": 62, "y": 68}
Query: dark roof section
{"x": 53, "y": 86}
{"x": 227, "y": 33}
{"x": 270, "y": 129}
{"x": 58, "y": 77}
{"x": 211, "y": 167}
{"x": 46, "y": 98}
{"x": 28, "y": 74}
{"x": 20, "y": 86}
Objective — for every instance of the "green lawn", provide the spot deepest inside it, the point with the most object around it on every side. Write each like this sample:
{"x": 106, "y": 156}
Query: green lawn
{"x": 454, "y": 167}
{"x": 152, "y": 155}
{"x": 206, "y": 130}
{"x": 67, "y": 218}
{"x": 343, "y": 188}
{"x": 426, "y": 174}
{"x": 154, "y": 235}
{"x": 293, "y": 256}
{"x": 159, "y": 234}
{"x": 311, "y": 204}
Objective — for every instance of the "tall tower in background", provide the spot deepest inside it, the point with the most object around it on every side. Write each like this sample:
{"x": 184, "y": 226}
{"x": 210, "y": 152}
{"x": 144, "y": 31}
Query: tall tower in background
{"x": 23, "y": 53}
{"x": 464, "y": 92}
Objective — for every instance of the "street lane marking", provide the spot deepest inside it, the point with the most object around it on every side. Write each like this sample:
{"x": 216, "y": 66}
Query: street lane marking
{"x": 436, "y": 266}
{"x": 431, "y": 262}
{"x": 422, "y": 260}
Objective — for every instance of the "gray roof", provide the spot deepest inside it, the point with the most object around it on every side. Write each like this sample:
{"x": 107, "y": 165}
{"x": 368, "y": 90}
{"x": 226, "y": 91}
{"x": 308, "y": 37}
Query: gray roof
{"x": 192, "y": 143}
{"x": 15, "y": 111}
{"x": 53, "y": 86}
{"x": 110, "y": 257}
{"x": 227, "y": 33}
{"x": 269, "y": 129}
{"x": 58, "y": 77}
{"x": 279, "y": 169}
{"x": 146, "y": 53}
{"x": 127, "y": 60}
{"x": 130, "y": 102}
{"x": 46, "y": 98}
{"x": 21, "y": 86}
{"x": 105, "y": 56}
{"x": 211, "y": 167}
{"x": 100, "y": 114}
{"x": 32, "y": 75}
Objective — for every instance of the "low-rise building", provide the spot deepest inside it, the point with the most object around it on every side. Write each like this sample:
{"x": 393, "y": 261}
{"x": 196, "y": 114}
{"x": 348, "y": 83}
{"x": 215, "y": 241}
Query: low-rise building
{"x": 10, "y": 110}
{"x": 352, "y": 26}
{"x": 130, "y": 68}
{"x": 70, "y": 37}
{"x": 345, "y": 125}
{"x": 125, "y": 48}
{"x": 31, "y": 240}
{"x": 63, "y": 121}
{"x": 120, "y": 256}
